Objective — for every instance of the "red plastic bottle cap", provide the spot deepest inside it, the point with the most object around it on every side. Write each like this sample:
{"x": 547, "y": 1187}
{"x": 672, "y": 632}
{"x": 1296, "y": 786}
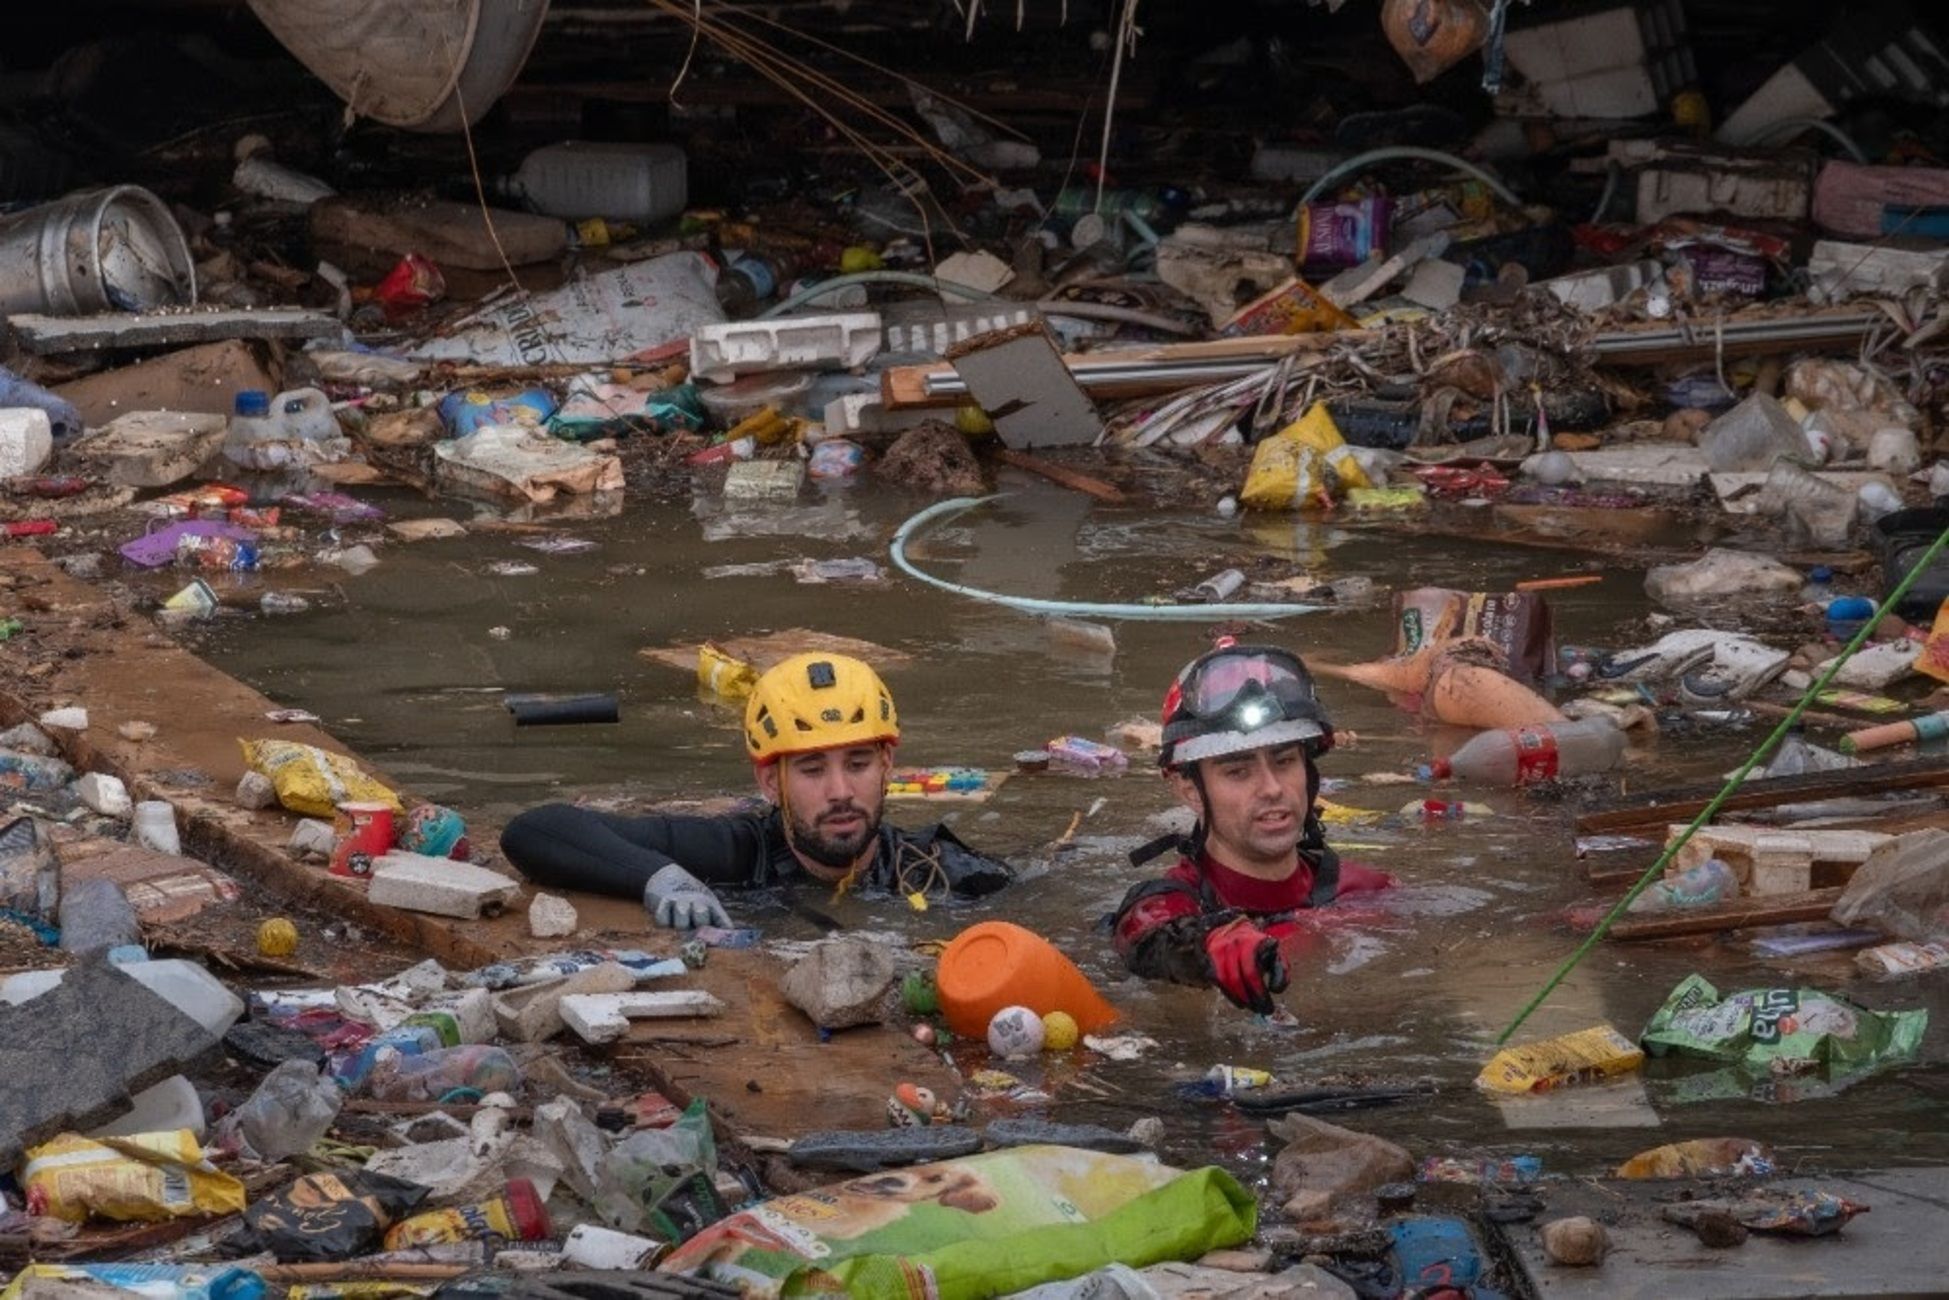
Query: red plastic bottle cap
{"x": 1441, "y": 769}
{"x": 526, "y": 1209}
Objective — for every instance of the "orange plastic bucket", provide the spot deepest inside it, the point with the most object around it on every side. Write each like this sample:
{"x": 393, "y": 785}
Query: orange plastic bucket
{"x": 996, "y": 964}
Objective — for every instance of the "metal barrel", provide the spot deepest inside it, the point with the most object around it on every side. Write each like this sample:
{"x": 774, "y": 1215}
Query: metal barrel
{"x": 114, "y": 249}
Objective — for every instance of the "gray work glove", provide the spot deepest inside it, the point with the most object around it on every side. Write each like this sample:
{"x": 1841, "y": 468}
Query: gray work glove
{"x": 681, "y": 901}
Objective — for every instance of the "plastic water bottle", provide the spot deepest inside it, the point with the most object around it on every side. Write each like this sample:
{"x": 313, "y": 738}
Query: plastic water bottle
{"x": 432, "y": 1075}
{"x": 269, "y": 433}
{"x": 155, "y": 826}
{"x": 1819, "y": 589}
{"x": 1546, "y": 752}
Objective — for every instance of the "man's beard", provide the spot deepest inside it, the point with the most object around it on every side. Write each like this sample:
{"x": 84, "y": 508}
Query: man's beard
{"x": 834, "y": 851}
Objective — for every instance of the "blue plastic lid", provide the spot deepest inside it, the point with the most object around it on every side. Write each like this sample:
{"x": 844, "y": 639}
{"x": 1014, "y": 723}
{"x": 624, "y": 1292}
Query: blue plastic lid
{"x": 1820, "y": 573}
{"x": 1849, "y": 609}
{"x": 252, "y": 401}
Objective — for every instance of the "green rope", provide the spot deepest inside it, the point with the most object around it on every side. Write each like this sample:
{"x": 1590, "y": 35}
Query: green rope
{"x": 1732, "y": 784}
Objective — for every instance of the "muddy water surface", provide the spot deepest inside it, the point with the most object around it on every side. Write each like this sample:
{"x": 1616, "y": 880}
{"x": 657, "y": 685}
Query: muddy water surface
{"x": 409, "y": 673}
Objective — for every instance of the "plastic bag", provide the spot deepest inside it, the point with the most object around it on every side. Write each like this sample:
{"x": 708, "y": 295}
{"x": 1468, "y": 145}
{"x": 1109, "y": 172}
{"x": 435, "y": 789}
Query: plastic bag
{"x": 468, "y": 410}
{"x": 1290, "y": 469}
{"x": 327, "y": 1217}
{"x": 144, "y": 1177}
{"x": 1902, "y": 889}
{"x": 313, "y": 781}
{"x": 1700, "y": 1158}
{"x": 30, "y": 875}
{"x": 662, "y": 1181}
{"x": 991, "y": 1224}
{"x": 1432, "y": 36}
{"x": 1782, "y": 1031}
{"x": 1517, "y": 623}
{"x": 607, "y": 318}
{"x": 151, "y": 1281}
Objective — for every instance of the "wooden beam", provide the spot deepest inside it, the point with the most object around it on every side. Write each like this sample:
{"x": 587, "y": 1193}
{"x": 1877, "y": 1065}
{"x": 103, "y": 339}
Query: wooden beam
{"x": 1739, "y": 914}
{"x": 1659, "y": 808}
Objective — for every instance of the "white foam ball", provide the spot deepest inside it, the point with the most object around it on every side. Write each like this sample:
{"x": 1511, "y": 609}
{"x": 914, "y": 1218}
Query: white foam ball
{"x": 1015, "y": 1032}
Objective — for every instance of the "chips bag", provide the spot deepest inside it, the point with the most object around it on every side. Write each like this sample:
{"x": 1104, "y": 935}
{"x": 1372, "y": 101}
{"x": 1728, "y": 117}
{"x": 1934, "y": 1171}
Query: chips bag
{"x": 325, "y": 1217}
{"x": 311, "y": 780}
{"x": 1586, "y": 1056}
{"x": 144, "y": 1177}
{"x": 1782, "y": 1031}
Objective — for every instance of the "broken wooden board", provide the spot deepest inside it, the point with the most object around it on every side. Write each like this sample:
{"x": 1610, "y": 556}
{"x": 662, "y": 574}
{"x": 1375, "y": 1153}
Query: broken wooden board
{"x": 763, "y": 651}
{"x": 1896, "y": 1250}
{"x": 161, "y": 887}
{"x": 1653, "y": 811}
{"x": 1735, "y": 914}
{"x": 45, "y": 335}
{"x": 1021, "y": 381}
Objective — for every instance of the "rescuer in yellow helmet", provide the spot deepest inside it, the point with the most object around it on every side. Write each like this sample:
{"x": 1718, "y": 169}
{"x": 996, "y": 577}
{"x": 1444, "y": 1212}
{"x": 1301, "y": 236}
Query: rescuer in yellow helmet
{"x": 820, "y": 730}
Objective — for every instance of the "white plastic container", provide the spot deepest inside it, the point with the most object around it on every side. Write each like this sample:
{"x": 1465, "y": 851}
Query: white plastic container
{"x": 26, "y": 440}
{"x": 170, "y": 1105}
{"x": 183, "y": 984}
{"x": 602, "y": 1248}
{"x": 269, "y": 433}
{"x": 155, "y": 826}
{"x": 631, "y": 182}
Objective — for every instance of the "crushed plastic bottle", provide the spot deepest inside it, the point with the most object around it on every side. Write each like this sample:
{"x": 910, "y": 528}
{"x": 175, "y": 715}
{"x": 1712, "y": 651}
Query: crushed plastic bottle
{"x": 432, "y": 1075}
{"x": 292, "y": 1108}
{"x": 1711, "y": 881}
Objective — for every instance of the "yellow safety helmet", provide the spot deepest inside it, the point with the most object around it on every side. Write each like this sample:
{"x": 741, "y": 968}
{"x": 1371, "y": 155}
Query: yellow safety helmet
{"x": 817, "y": 701}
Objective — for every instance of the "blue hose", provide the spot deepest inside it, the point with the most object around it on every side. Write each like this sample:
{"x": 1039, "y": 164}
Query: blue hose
{"x": 1068, "y": 608}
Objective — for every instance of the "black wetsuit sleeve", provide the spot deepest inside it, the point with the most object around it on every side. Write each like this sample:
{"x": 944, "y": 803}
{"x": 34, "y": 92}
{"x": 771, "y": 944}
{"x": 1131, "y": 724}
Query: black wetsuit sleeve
{"x": 561, "y": 846}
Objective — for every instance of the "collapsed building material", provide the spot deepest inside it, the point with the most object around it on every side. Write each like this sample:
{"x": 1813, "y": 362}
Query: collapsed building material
{"x": 45, "y": 335}
{"x": 1023, "y": 384}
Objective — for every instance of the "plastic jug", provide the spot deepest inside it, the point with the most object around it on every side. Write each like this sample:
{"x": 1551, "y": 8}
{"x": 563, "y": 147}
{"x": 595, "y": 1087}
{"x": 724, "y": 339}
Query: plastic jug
{"x": 270, "y": 433}
{"x": 183, "y": 984}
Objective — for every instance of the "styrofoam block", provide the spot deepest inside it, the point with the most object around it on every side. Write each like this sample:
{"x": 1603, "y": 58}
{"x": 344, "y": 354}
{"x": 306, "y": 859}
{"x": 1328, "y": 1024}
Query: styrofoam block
{"x": 836, "y": 342}
{"x": 604, "y": 1017}
{"x": 414, "y": 882}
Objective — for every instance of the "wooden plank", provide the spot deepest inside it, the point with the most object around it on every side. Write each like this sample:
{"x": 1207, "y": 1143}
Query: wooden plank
{"x": 1657, "y": 809}
{"x": 1740, "y": 914}
{"x": 1062, "y": 474}
{"x": 43, "y": 335}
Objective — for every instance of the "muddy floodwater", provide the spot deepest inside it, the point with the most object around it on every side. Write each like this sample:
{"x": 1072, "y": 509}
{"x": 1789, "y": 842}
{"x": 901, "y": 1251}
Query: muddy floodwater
{"x": 409, "y": 673}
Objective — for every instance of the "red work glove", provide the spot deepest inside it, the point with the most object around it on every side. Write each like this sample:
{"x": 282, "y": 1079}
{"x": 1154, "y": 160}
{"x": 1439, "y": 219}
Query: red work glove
{"x": 1246, "y": 965}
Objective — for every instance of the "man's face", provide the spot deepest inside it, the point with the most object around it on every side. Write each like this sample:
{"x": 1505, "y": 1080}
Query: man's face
{"x": 1253, "y": 807}
{"x": 832, "y": 799}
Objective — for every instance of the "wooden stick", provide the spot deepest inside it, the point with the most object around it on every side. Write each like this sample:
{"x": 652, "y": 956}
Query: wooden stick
{"x": 1657, "y": 810}
{"x": 1739, "y": 914}
{"x": 1560, "y": 584}
{"x": 1767, "y": 709}
{"x": 1061, "y": 474}
{"x": 292, "y": 1274}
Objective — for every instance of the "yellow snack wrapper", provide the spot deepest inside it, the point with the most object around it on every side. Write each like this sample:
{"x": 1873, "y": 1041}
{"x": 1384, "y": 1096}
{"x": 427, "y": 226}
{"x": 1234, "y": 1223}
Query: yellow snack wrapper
{"x": 311, "y": 780}
{"x": 722, "y": 675}
{"x": 1586, "y": 1056}
{"x": 1290, "y": 470}
{"x": 143, "y": 1177}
